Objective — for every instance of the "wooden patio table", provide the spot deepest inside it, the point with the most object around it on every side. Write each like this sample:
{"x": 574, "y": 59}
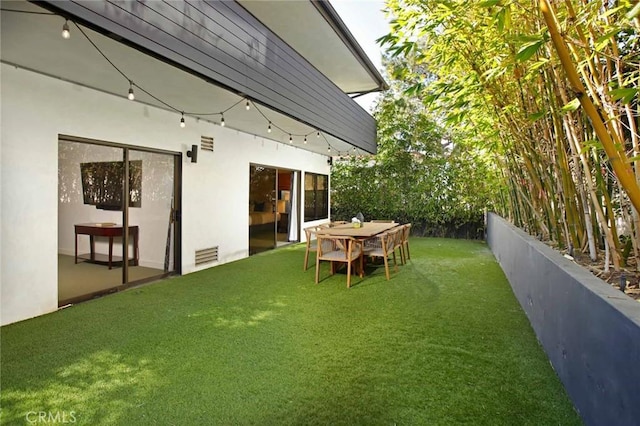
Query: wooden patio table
{"x": 367, "y": 230}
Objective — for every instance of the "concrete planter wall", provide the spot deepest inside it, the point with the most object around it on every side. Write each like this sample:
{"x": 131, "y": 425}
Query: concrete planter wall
{"x": 589, "y": 330}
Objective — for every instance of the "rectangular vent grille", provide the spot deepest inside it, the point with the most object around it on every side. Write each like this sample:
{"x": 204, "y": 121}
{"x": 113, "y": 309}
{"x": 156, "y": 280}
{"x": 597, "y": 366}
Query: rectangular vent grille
{"x": 206, "y": 143}
{"x": 207, "y": 255}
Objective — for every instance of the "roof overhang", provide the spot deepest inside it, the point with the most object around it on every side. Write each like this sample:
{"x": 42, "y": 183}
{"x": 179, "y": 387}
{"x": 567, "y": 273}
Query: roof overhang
{"x": 33, "y": 42}
{"x": 324, "y": 40}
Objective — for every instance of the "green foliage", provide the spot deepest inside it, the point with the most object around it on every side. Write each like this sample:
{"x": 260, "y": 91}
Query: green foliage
{"x": 571, "y": 106}
{"x": 626, "y": 95}
{"x": 423, "y": 172}
{"x": 490, "y": 73}
{"x": 529, "y": 49}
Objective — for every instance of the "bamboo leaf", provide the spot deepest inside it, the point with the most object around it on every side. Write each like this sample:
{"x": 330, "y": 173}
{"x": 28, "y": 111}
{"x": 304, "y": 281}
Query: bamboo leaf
{"x": 634, "y": 12}
{"x": 537, "y": 116}
{"x": 489, "y": 3}
{"x": 385, "y": 39}
{"x": 501, "y": 19}
{"x": 611, "y": 11}
{"x": 528, "y": 50}
{"x": 592, "y": 143}
{"x": 414, "y": 89}
{"x": 624, "y": 94}
{"x": 571, "y": 106}
{"x": 539, "y": 64}
{"x": 429, "y": 99}
{"x": 507, "y": 18}
{"x": 604, "y": 40}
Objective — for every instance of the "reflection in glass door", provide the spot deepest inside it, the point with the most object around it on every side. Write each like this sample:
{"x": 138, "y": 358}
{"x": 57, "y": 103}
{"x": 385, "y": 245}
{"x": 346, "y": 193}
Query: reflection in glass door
{"x": 104, "y": 242}
{"x": 262, "y": 209}
{"x": 273, "y": 208}
{"x": 156, "y": 218}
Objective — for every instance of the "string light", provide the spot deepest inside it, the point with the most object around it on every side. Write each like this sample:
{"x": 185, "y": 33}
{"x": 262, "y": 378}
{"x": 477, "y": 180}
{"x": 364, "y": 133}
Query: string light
{"x": 66, "y": 34}
{"x": 131, "y": 96}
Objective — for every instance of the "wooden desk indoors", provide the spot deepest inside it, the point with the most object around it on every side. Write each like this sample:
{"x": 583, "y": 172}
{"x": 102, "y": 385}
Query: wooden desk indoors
{"x": 110, "y": 231}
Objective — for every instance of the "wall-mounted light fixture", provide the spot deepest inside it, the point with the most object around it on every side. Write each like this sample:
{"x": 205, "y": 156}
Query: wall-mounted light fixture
{"x": 193, "y": 154}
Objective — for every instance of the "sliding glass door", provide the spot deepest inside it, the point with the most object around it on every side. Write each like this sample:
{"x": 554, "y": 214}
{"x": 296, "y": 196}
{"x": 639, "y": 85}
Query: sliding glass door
{"x": 273, "y": 210}
{"x": 262, "y": 209}
{"x": 116, "y": 217}
{"x": 158, "y": 213}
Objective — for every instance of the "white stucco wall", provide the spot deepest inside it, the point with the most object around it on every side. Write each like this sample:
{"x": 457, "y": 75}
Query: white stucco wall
{"x": 36, "y": 109}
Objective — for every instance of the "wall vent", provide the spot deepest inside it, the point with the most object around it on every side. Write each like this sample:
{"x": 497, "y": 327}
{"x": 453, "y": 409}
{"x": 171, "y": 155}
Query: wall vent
{"x": 206, "y": 143}
{"x": 207, "y": 255}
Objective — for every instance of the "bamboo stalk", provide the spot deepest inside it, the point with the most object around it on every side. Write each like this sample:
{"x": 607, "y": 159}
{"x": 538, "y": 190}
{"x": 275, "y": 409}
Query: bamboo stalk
{"x": 617, "y": 158}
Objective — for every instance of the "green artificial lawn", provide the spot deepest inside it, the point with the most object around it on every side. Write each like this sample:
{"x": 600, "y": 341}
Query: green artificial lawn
{"x": 257, "y": 342}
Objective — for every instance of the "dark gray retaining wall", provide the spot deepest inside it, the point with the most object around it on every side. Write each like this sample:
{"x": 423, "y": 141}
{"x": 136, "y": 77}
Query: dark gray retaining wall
{"x": 589, "y": 330}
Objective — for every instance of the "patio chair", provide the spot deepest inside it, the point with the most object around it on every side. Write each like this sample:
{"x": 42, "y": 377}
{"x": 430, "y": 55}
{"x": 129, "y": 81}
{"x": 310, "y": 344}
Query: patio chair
{"x": 312, "y": 246}
{"x": 383, "y": 246}
{"x": 341, "y": 249}
{"x": 404, "y": 246}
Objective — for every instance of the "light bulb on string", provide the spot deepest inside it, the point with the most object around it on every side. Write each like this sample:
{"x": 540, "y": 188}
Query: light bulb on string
{"x": 182, "y": 123}
{"x": 305, "y": 140}
{"x": 329, "y": 148}
{"x": 290, "y": 139}
{"x": 222, "y": 121}
{"x": 131, "y": 96}
{"x": 247, "y": 106}
{"x": 66, "y": 34}
{"x": 318, "y": 134}
{"x": 269, "y": 128}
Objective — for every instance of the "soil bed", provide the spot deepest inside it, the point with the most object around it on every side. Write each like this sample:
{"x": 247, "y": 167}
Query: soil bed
{"x": 629, "y": 272}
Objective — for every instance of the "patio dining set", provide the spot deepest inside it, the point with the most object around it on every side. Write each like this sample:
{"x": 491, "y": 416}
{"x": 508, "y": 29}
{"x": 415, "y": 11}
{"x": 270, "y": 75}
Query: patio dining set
{"x": 352, "y": 244}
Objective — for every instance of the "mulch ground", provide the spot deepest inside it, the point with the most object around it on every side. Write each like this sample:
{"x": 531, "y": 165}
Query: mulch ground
{"x": 629, "y": 273}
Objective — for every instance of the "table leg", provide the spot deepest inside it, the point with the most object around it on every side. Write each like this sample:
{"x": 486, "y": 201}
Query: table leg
{"x": 135, "y": 249}
{"x": 92, "y": 243}
{"x": 76, "y": 247}
{"x": 111, "y": 250}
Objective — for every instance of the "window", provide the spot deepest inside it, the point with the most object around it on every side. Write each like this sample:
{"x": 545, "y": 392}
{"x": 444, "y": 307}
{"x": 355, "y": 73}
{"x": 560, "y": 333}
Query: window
{"x": 316, "y": 197}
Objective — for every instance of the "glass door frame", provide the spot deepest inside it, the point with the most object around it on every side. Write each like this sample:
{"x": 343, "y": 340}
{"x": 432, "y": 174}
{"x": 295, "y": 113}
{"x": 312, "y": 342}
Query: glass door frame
{"x": 176, "y": 206}
{"x": 277, "y": 171}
